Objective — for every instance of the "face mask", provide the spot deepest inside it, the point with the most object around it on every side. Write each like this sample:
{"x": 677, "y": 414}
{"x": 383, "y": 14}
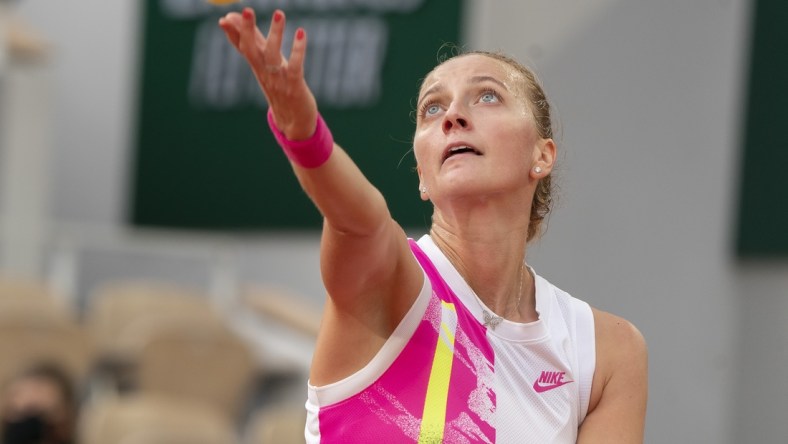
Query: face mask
{"x": 29, "y": 429}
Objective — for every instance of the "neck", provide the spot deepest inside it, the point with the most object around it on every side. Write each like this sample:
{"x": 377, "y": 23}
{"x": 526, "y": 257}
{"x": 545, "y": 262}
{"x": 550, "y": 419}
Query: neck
{"x": 492, "y": 262}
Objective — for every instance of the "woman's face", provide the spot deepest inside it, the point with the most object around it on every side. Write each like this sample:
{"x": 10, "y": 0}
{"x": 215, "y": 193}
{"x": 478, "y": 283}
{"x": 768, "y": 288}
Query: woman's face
{"x": 474, "y": 132}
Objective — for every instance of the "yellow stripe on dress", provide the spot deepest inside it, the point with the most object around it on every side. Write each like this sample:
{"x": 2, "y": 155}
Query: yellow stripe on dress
{"x": 433, "y": 417}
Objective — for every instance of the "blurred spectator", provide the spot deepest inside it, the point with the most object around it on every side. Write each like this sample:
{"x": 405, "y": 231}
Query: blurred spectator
{"x": 39, "y": 407}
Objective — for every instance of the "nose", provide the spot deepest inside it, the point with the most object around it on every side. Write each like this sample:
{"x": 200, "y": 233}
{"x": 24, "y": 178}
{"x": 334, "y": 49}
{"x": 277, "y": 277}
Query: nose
{"x": 455, "y": 118}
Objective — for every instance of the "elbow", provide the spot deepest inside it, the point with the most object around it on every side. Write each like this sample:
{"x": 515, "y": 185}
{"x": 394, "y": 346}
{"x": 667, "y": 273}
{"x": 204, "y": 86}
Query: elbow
{"x": 367, "y": 218}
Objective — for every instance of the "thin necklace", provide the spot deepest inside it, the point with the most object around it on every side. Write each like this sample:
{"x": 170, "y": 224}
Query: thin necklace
{"x": 491, "y": 320}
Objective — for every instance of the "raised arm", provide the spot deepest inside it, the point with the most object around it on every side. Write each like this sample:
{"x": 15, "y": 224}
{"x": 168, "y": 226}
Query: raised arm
{"x": 363, "y": 251}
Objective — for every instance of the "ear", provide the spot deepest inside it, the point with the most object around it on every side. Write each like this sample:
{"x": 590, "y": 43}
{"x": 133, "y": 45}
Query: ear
{"x": 422, "y": 194}
{"x": 544, "y": 158}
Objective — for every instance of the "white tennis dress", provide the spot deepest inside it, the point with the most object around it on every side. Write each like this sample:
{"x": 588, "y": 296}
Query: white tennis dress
{"x": 443, "y": 376}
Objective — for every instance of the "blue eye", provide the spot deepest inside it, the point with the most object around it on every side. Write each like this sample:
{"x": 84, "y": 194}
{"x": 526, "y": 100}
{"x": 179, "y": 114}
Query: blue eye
{"x": 489, "y": 97}
{"x": 429, "y": 109}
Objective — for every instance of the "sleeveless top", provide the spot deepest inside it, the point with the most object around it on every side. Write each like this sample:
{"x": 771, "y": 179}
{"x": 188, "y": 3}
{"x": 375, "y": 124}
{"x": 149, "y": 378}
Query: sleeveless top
{"x": 444, "y": 377}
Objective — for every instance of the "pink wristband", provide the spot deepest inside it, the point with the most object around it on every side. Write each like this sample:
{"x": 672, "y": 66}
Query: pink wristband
{"x": 307, "y": 153}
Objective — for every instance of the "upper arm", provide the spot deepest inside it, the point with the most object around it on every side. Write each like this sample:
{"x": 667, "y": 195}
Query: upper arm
{"x": 370, "y": 273}
{"x": 617, "y": 411}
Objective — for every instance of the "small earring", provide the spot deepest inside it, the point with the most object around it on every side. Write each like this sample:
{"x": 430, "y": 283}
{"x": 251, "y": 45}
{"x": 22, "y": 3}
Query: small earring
{"x": 423, "y": 190}
{"x": 537, "y": 169}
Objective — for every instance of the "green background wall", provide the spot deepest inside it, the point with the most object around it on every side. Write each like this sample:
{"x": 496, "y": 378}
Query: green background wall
{"x": 205, "y": 158}
{"x": 763, "y": 208}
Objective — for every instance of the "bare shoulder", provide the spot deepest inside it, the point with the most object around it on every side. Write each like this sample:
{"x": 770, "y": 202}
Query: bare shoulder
{"x": 619, "y": 392}
{"x": 621, "y": 353}
{"x": 617, "y": 338}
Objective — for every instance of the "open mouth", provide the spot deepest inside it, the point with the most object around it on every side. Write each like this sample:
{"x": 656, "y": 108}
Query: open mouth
{"x": 460, "y": 149}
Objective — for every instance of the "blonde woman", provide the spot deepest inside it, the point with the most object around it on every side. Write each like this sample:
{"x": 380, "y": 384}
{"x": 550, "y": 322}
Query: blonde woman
{"x": 453, "y": 337}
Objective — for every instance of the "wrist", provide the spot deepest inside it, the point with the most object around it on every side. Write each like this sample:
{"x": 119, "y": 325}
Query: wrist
{"x": 307, "y": 153}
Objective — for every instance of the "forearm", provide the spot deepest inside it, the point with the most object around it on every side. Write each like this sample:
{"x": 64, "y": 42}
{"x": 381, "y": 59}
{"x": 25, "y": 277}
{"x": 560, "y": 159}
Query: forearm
{"x": 346, "y": 199}
{"x": 358, "y": 233}
{"x": 343, "y": 195}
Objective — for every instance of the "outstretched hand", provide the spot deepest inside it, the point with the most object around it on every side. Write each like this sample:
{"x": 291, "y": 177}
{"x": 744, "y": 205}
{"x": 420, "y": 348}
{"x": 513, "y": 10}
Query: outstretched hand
{"x": 282, "y": 80}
